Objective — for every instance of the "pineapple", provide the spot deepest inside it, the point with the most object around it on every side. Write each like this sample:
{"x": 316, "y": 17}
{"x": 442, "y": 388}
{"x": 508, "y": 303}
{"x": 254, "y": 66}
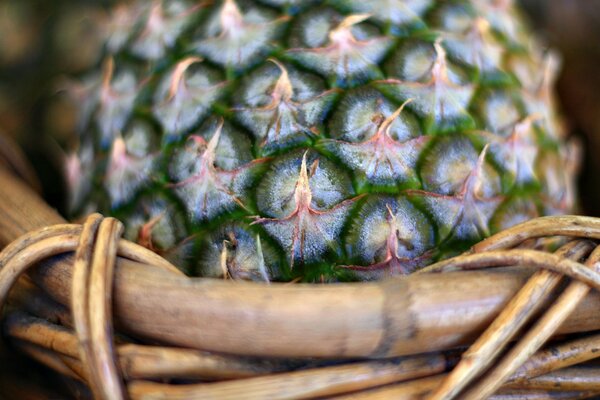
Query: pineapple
{"x": 318, "y": 140}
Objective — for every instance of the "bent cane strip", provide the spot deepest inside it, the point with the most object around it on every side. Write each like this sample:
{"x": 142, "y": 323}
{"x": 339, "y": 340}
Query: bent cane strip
{"x": 92, "y": 301}
{"x": 79, "y": 297}
{"x": 302, "y": 384}
{"x": 515, "y": 315}
{"x": 535, "y": 337}
{"x": 520, "y": 257}
{"x": 144, "y": 361}
{"x": 38, "y": 250}
{"x": 568, "y": 379}
{"x": 567, "y": 225}
{"x": 49, "y": 359}
{"x": 560, "y": 356}
{"x": 100, "y": 308}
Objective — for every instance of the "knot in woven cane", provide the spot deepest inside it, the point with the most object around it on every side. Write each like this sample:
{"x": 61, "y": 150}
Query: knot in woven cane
{"x": 91, "y": 300}
{"x": 510, "y": 248}
{"x": 96, "y": 244}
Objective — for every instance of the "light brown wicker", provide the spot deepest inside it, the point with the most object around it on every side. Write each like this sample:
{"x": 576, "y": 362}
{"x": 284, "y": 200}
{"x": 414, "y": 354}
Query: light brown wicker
{"x": 185, "y": 338}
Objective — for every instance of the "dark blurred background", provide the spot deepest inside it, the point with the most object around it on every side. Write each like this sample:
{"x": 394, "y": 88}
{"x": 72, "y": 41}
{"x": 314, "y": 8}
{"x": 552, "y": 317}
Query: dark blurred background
{"x": 573, "y": 28}
{"x": 41, "y": 40}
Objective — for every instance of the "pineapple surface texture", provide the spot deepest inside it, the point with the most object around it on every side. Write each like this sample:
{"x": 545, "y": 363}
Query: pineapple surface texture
{"x": 318, "y": 140}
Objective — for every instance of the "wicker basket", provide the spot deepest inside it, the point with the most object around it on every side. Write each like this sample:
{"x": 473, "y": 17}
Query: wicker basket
{"x": 521, "y": 331}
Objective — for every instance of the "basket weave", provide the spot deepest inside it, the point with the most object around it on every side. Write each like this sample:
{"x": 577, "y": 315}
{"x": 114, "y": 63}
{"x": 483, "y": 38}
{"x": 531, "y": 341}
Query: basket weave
{"x": 405, "y": 338}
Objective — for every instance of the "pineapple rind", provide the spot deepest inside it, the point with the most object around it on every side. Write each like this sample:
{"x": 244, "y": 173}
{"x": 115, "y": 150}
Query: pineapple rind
{"x": 419, "y": 127}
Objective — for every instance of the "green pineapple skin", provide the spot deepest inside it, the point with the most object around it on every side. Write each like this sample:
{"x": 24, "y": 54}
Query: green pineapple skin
{"x": 319, "y": 140}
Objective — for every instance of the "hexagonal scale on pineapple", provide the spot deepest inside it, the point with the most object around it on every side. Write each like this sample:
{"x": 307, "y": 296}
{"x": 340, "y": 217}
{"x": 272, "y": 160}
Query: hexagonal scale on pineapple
{"x": 165, "y": 22}
{"x": 516, "y": 210}
{"x": 499, "y": 110}
{"x": 412, "y": 61}
{"x": 398, "y": 12}
{"x": 540, "y": 99}
{"x": 282, "y": 107}
{"x": 234, "y": 148}
{"x": 233, "y": 251}
{"x": 329, "y": 184}
{"x": 393, "y": 237}
{"x": 206, "y": 188}
{"x": 118, "y": 28}
{"x": 526, "y": 69}
{"x": 476, "y": 46}
{"x": 440, "y": 98}
{"x": 234, "y": 38}
{"x": 130, "y": 163}
{"x": 117, "y": 98}
{"x": 462, "y": 191}
{"x": 517, "y": 152}
{"x": 382, "y": 159}
{"x": 557, "y": 172}
{"x": 185, "y": 96}
{"x": 347, "y": 53}
{"x": 468, "y": 36}
{"x": 159, "y": 226}
{"x": 452, "y": 17}
{"x": 502, "y": 17}
{"x": 309, "y": 205}
{"x": 359, "y": 114}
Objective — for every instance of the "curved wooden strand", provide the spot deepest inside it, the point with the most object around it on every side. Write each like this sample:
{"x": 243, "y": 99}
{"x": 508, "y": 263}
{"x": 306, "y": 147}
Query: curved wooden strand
{"x": 135, "y": 252}
{"x": 49, "y": 359}
{"x": 59, "y": 239}
{"x": 100, "y": 309}
{"x": 567, "y": 225}
{"x": 79, "y": 298}
{"x": 545, "y": 226}
{"x": 514, "y": 316}
{"x": 568, "y": 379}
{"x": 535, "y": 337}
{"x": 521, "y": 257}
{"x": 149, "y": 362}
{"x": 311, "y": 383}
{"x": 93, "y": 272}
{"x": 559, "y": 356}
{"x": 29, "y": 238}
{"x": 36, "y": 252}
{"x": 500, "y": 258}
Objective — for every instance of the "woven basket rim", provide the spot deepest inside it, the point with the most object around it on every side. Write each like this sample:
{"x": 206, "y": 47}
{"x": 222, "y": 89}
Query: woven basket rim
{"x": 403, "y": 316}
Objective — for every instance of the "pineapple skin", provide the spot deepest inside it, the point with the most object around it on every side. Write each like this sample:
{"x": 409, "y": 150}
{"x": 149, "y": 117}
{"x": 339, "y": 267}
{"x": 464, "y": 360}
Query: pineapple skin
{"x": 318, "y": 140}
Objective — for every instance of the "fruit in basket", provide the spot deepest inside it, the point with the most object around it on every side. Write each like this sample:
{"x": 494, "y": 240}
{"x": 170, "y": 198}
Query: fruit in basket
{"x": 320, "y": 140}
